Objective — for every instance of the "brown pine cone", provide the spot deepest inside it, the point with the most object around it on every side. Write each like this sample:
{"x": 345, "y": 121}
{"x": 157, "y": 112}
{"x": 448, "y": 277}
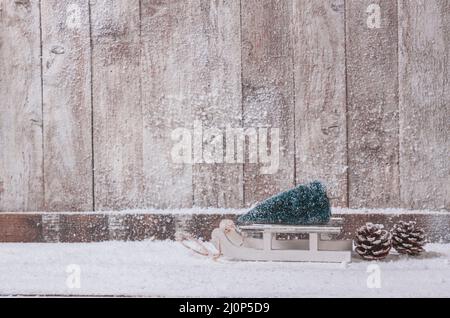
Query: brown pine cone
{"x": 372, "y": 242}
{"x": 407, "y": 238}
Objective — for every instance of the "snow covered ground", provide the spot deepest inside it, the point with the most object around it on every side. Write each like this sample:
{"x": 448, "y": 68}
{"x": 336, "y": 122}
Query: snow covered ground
{"x": 168, "y": 269}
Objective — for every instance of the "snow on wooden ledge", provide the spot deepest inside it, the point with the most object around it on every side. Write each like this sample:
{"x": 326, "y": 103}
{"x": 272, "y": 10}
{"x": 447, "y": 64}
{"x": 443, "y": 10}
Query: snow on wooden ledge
{"x": 138, "y": 225}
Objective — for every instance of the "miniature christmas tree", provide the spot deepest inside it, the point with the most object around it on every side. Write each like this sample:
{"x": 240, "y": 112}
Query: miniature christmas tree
{"x": 303, "y": 205}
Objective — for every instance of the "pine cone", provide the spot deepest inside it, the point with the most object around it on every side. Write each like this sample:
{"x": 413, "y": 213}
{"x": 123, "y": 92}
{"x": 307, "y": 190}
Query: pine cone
{"x": 407, "y": 238}
{"x": 372, "y": 242}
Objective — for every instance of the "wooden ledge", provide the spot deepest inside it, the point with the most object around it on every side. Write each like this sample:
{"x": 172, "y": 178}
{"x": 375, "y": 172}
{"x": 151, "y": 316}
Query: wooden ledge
{"x": 121, "y": 226}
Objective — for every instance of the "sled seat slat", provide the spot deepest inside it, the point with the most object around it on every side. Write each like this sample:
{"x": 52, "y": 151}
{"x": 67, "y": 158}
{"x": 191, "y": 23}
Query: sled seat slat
{"x": 332, "y": 227}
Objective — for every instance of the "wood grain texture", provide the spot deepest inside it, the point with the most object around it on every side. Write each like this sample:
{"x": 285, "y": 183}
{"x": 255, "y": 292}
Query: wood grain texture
{"x": 372, "y": 89}
{"x": 424, "y": 103}
{"x": 21, "y": 228}
{"x": 74, "y": 228}
{"x": 320, "y": 100}
{"x": 117, "y": 104}
{"x": 167, "y": 76}
{"x": 190, "y": 72}
{"x": 21, "y": 155}
{"x": 149, "y": 227}
{"x": 267, "y": 88}
{"x": 94, "y": 227}
{"x": 67, "y": 105}
{"x": 118, "y": 78}
{"x": 217, "y": 101}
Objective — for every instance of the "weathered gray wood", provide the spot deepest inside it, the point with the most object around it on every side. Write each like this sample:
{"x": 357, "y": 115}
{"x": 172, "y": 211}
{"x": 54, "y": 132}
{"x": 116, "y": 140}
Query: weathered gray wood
{"x": 372, "y": 94}
{"x": 67, "y": 105}
{"x": 320, "y": 105}
{"x": 166, "y": 78}
{"x": 191, "y": 73}
{"x": 117, "y": 104}
{"x": 186, "y": 67}
{"x": 424, "y": 103}
{"x": 21, "y": 171}
{"x": 268, "y": 93}
{"x": 218, "y": 91}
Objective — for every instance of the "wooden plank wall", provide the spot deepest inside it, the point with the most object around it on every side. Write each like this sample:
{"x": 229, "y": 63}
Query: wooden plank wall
{"x": 358, "y": 90}
{"x": 66, "y": 54}
{"x": 216, "y": 101}
{"x": 117, "y": 107}
{"x": 372, "y": 101}
{"x": 424, "y": 103}
{"x": 267, "y": 94}
{"x": 166, "y": 57}
{"x": 21, "y": 120}
{"x": 320, "y": 108}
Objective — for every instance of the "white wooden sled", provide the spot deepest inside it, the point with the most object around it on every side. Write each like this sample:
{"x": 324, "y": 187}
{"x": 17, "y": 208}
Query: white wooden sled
{"x": 259, "y": 242}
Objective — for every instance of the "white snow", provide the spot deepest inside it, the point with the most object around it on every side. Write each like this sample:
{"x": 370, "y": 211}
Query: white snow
{"x": 168, "y": 269}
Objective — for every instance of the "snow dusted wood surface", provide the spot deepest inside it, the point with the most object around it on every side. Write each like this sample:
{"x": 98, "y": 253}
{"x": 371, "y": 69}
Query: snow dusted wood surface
{"x": 117, "y": 108}
{"x": 167, "y": 269}
{"x": 66, "y": 54}
{"x": 137, "y": 225}
{"x": 214, "y": 96}
{"x": 267, "y": 88}
{"x": 372, "y": 101}
{"x": 424, "y": 103}
{"x": 320, "y": 98}
{"x": 21, "y": 118}
{"x": 91, "y": 92}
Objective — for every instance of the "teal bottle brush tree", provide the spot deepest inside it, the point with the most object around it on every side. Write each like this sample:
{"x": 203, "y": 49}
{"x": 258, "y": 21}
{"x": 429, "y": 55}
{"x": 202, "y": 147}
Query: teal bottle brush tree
{"x": 304, "y": 205}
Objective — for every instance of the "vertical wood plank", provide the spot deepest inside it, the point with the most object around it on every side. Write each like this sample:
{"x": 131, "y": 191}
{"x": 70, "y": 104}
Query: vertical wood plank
{"x": 67, "y": 105}
{"x": 424, "y": 103}
{"x": 117, "y": 104}
{"x": 372, "y": 82}
{"x": 21, "y": 170}
{"x": 268, "y": 92}
{"x": 191, "y": 73}
{"x": 166, "y": 78}
{"x": 320, "y": 98}
{"x": 217, "y": 182}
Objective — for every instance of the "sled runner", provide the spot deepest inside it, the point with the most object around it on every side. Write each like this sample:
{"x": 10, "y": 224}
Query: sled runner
{"x": 265, "y": 242}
